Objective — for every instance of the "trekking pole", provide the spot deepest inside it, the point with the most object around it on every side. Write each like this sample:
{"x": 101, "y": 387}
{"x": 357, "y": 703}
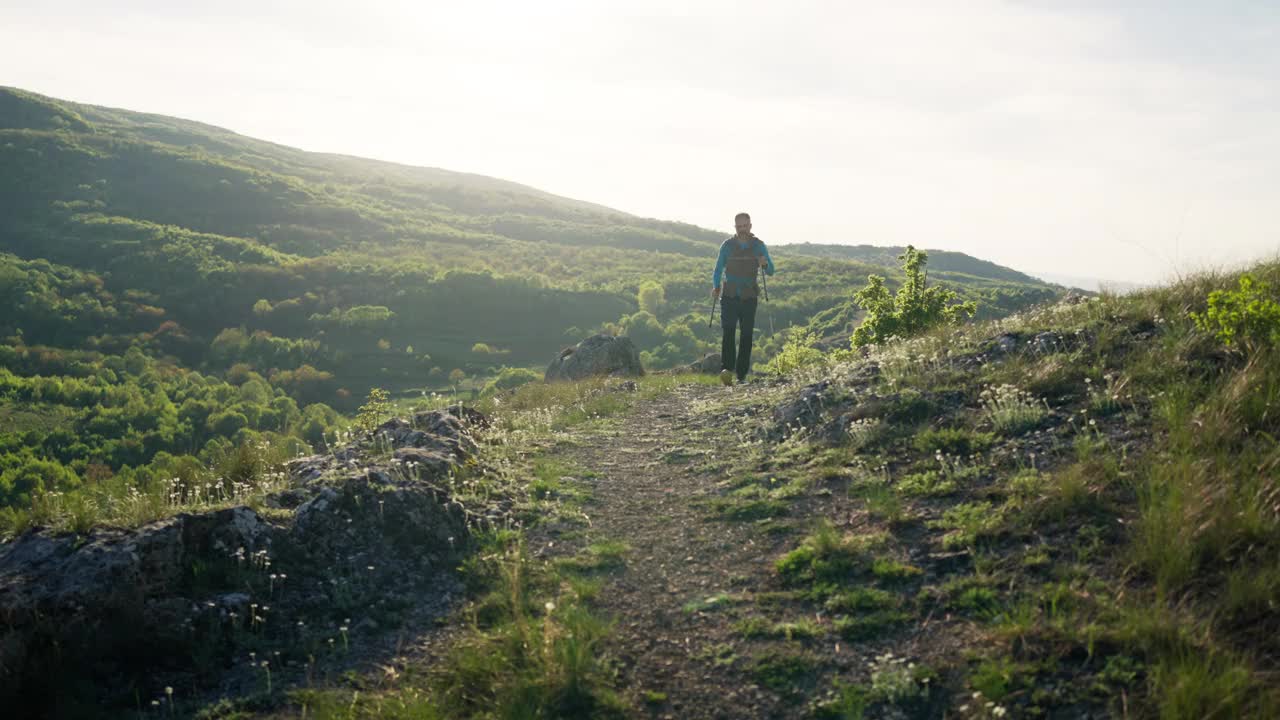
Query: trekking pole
{"x": 764, "y": 283}
{"x": 711, "y": 320}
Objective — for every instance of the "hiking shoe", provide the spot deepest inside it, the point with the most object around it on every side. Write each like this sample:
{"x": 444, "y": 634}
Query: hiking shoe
{"x": 726, "y": 377}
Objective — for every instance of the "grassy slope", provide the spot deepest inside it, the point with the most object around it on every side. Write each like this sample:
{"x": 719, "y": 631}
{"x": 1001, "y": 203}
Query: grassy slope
{"x": 1113, "y": 508}
{"x": 1099, "y": 536}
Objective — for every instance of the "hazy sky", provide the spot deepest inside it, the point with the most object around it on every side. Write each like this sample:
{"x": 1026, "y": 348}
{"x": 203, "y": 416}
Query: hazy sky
{"x": 1122, "y": 140}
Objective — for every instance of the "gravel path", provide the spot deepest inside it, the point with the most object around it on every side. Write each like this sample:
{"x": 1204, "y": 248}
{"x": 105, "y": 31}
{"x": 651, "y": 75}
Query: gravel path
{"x": 647, "y": 485}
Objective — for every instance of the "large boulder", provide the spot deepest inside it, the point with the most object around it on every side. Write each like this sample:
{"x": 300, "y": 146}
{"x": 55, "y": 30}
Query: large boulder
{"x": 374, "y": 526}
{"x": 597, "y": 355}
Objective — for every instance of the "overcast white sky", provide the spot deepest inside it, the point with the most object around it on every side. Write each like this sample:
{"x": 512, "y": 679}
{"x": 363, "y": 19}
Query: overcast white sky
{"x": 1121, "y": 140}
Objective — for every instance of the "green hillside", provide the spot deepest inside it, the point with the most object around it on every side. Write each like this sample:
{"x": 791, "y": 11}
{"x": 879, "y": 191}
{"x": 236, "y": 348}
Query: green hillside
{"x": 207, "y": 223}
{"x": 178, "y": 289}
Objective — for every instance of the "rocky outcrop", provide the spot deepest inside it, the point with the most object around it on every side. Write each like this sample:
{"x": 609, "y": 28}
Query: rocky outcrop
{"x": 370, "y": 527}
{"x": 598, "y": 355}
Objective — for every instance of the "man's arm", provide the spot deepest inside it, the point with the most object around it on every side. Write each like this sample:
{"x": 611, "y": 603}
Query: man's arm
{"x": 720, "y": 261}
{"x": 764, "y": 252}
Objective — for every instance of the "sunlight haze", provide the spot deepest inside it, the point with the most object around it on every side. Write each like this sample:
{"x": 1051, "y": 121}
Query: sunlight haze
{"x": 1123, "y": 141}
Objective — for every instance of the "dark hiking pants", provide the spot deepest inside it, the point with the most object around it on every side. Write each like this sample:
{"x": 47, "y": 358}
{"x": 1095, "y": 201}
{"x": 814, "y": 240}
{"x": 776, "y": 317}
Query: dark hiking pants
{"x": 736, "y": 312}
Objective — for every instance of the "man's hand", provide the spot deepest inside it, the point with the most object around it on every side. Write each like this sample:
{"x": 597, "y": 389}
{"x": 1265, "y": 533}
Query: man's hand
{"x": 715, "y": 292}
{"x": 763, "y": 262}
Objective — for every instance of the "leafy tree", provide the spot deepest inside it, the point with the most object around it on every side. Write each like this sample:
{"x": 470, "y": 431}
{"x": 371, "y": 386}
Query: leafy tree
{"x": 643, "y": 328}
{"x": 227, "y": 423}
{"x": 316, "y": 419}
{"x": 509, "y": 378}
{"x": 914, "y": 309}
{"x": 20, "y": 483}
{"x": 651, "y": 297}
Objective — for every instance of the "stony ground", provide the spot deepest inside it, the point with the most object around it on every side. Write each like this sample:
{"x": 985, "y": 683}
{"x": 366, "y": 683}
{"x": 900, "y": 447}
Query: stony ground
{"x": 708, "y": 500}
{"x": 649, "y": 477}
{"x": 822, "y": 575}
{"x": 701, "y": 617}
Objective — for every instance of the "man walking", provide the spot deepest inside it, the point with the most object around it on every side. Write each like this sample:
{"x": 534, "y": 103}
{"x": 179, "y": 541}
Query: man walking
{"x": 741, "y": 259}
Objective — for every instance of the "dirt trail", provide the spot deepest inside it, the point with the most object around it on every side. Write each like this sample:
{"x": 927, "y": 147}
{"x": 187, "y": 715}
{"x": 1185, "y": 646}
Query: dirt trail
{"x": 646, "y": 494}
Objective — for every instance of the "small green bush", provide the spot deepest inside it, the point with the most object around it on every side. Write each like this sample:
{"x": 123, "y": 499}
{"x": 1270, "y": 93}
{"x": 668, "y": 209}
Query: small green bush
{"x": 798, "y": 352}
{"x": 1249, "y": 315}
{"x": 370, "y": 415}
{"x": 912, "y": 310}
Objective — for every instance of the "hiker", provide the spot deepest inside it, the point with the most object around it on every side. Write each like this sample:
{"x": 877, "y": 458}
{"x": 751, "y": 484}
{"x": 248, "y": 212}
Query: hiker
{"x": 742, "y": 258}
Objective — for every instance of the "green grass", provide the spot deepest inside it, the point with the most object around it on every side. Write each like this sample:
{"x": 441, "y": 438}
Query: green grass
{"x": 968, "y": 523}
{"x": 744, "y": 510}
{"x": 847, "y": 702}
{"x": 1012, "y": 411}
{"x": 870, "y": 625}
{"x": 549, "y": 482}
{"x": 537, "y": 655}
{"x": 858, "y": 600}
{"x": 995, "y": 678}
{"x": 789, "y": 673}
{"x": 719, "y": 655}
{"x": 827, "y": 556}
{"x": 600, "y": 557}
{"x": 953, "y": 441}
{"x": 241, "y": 475}
{"x": 883, "y": 501}
{"x": 755, "y": 627}
{"x": 929, "y": 483}
{"x": 891, "y": 571}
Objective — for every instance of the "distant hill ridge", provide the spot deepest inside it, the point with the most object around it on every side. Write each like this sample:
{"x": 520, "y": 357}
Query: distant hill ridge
{"x": 941, "y": 260}
{"x": 430, "y": 191}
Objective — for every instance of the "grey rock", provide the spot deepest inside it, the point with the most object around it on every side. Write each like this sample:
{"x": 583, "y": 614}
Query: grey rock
{"x": 307, "y": 469}
{"x": 424, "y": 462}
{"x": 40, "y": 571}
{"x": 306, "y": 514}
{"x": 598, "y": 355}
{"x": 237, "y": 602}
{"x": 805, "y": 408}
{"x": 1004, "y": 344}
{"x": 1046, "y": 342}
{"x": 468, "y": 416}
{"x": 446, "y": 433}
{"x": 130, "y": 601}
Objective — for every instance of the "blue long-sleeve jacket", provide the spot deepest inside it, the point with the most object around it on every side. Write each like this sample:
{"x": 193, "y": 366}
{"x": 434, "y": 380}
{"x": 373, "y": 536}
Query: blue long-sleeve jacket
{"x": 725, "y": 249}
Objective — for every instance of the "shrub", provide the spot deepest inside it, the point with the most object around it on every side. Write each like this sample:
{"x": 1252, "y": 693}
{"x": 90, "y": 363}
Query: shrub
{"x": 1248, "y": 315}
{"x": 914, "y": 309}
{"x": 510, "y": 378}
{"x": 798, "y": 352}
{"x": 370, "y": 414}
{"x": 1011, "y": 410}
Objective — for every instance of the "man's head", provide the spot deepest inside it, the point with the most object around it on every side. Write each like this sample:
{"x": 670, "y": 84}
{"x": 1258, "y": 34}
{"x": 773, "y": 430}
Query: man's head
{"x": 742, "y": 223}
